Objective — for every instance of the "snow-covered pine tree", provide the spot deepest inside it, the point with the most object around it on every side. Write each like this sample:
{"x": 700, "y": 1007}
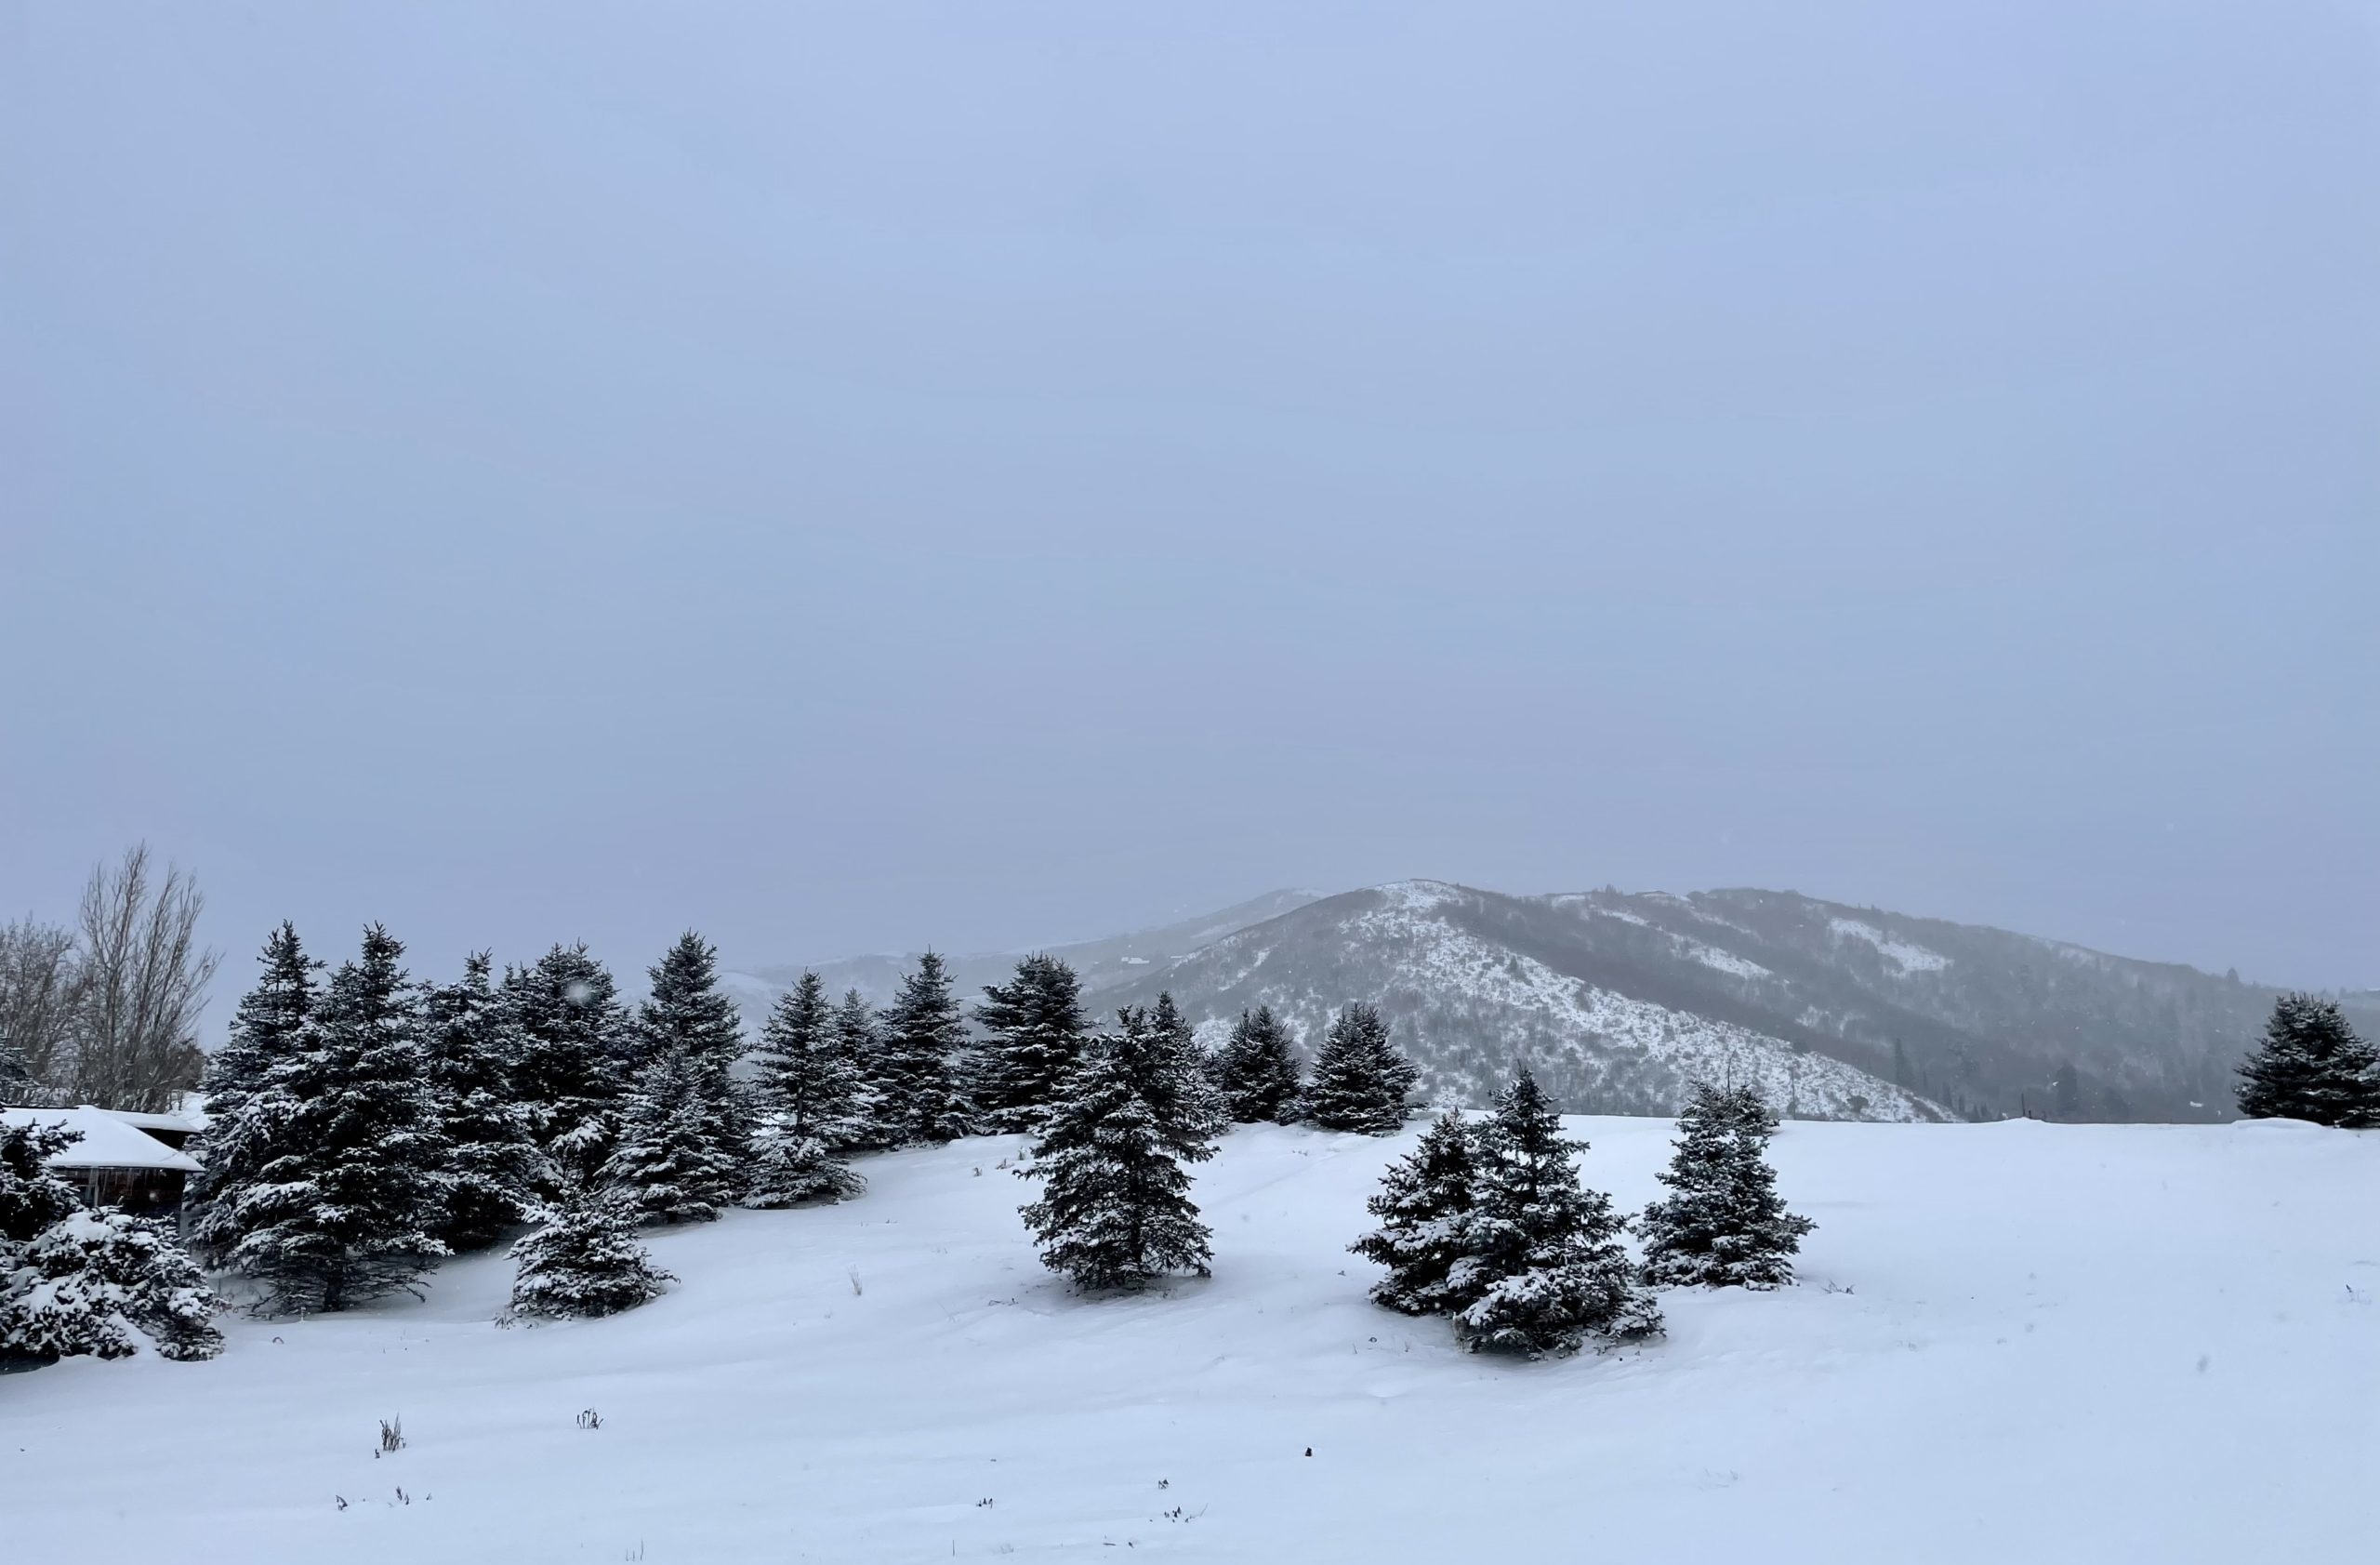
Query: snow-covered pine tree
{"x": 810, "y": 1097}
{"x": 922, "y": 1073}
{"x": 32, "y": 1200}
{"x": 859, "y": 1037}
{"x": 347, "y": 1208}
{"x": 2311, "y": 1066}
{"x": 1543, "y": 1268}
{"x": 1257, "y": 1070}
{"x": 1035, "y": 1025}
{"x": 1200, "y": 1106}
{"x": 100, "y": 1283}
{"x": 242, "y": 1117}
{"x": 1360, "y": 1081}
{"x": 32, "y": 1197}
{"x": 666, "y": 1166}
{"x": 571, "y": 1055}
{"x": 1722, "y": 1225}
{"x": 493, "y": 1162}
{"x": 1423, "y": 1204}
{"x": 1747, "y": 1109}
{"x": 585, "y": 1261}
{"x": 1115, "y": 1209}
{"x": 687, "y": 1016}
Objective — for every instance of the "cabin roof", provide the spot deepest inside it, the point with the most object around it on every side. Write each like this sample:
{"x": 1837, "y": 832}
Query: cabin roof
{"x": 109, "y": 1140}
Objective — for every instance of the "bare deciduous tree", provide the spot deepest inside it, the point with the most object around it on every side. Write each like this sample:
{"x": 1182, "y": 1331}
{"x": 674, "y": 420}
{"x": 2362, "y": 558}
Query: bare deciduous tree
{"x": 144, "y": 980}
{"x": 40, "y": 994}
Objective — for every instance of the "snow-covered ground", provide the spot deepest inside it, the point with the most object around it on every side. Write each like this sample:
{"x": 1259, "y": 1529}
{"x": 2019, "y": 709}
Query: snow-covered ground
{"x": 2015, "y": 1342}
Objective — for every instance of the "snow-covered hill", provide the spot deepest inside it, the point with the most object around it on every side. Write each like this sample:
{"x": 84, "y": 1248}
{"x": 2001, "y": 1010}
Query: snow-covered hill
{"x": 1617, "y": 997}
{"x": 2015, "y": 1341}
{"x": 1467, "y": 1005}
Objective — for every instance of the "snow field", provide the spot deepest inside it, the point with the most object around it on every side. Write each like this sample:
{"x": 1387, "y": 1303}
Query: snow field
{"x": 2013, "y": 1341}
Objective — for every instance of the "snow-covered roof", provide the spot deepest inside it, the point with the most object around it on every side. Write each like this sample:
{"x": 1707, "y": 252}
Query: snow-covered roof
{"x": 151, "y": 1121}
{"x": 109, "y": 1140}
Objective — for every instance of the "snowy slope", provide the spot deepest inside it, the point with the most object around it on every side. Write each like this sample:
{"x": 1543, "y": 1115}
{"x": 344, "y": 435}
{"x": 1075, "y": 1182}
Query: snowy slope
{"x": 2051, "y": 1343}
{"x": 1466, "y": 1000}
{"x": 1986, "y": 1021}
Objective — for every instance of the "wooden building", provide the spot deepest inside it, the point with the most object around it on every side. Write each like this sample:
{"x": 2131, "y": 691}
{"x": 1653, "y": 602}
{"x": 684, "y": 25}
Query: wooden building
{"x": 129, "y": 1160}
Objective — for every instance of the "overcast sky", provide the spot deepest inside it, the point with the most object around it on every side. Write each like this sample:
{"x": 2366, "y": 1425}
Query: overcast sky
{"x": 850, "y": 477}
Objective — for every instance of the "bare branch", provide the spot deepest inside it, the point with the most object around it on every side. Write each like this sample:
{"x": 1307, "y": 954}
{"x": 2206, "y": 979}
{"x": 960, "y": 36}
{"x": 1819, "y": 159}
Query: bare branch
{"x": 144, "y": 984}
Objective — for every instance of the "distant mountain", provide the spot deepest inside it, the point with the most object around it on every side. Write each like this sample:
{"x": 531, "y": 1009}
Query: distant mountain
{"x": 1617, "y": 999}
{"x": 1104, "y": 964}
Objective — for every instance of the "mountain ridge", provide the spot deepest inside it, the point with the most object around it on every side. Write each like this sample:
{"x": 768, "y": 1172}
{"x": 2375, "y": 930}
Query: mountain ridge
{"x": 1617, "y": 999}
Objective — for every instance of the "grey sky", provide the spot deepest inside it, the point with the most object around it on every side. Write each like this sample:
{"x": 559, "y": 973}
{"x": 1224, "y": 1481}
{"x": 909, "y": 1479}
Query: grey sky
{"x": 847, "y": 477}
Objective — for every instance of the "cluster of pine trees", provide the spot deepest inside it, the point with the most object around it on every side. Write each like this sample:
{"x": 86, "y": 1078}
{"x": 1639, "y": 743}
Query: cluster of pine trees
{"x": 1488, "y": 1222}
{"x": 2311, "y": 1064}
{"x": 364, "y": 1123}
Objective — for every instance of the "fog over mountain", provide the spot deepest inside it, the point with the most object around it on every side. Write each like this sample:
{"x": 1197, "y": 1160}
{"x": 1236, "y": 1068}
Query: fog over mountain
{"x": 1617, "y": 998}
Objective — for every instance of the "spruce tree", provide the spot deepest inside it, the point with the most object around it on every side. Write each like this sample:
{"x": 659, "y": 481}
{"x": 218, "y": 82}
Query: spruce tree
{"x": 1034, "y": 1026}
{"x": 32, "y": 1195}
{"x": 1115, "y": 1210}
{"x": 573, "y": 1052}
{"x": 1543, "y": 1268}
{"x": 923, "y": 1071}
{"x": 1360, "y": 1081}
{"x": 687, "y": 1016}
{"x": 1746, "y": 1108}
{"x": 1257, "y": 1070}
{"x": 810, "y": 1101}
{"x": 2311, "y": 1066}
{"x": 585, "y": 1261}
{"x": 493, "y": 1163}
{"x": 859, "y": 1037}
{"x": 1722, "y": 1225}
{"x": 242, "y": 1115}
{"x": 348, "y": 1206}
{"x": 1424, "y": 1205}
{"x": 100, "y": 1283}
{"x": 667, "y": 1165}
{"x": 1193, "y": 1073}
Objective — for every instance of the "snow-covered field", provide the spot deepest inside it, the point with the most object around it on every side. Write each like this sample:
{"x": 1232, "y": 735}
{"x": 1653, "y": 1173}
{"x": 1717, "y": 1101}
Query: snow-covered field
{"x": 2015, "y": 1342}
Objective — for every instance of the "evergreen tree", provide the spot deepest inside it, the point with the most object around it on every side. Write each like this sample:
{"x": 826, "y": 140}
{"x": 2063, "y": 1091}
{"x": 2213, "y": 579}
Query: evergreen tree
{"x": 1722, "y": 1225}
{"x": 1200, "y": 1106}
{"x": 859, "y": 1037}
{"x": 1543, "y": 1268}
{"x": 1115, "y": 1210}
{"x": 811, "y": 1098}
{"x": 101, "y": 1282}
{"x": 1035, "y": 1027}
{"x": 1746, "y": 1108}
{"x": 1424, "y": 1205}
{"x": 32, "y": 1195}
{"x": 668, "y": 1166}
{"x": 493, "y": 1162}
{"x": 919, "y": 1083}
{"x": 2311, "y": 1066}
{"x": 585, "y": 1261}
{"x": 1360, "y": 1081}
{"x": 242, "y": 1115}
{"x": 573, "y": 1055}
{"x": 1257, "y": 1070}
{"x": 687, "y": 1018}
{"x": 347, "y": 1208}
